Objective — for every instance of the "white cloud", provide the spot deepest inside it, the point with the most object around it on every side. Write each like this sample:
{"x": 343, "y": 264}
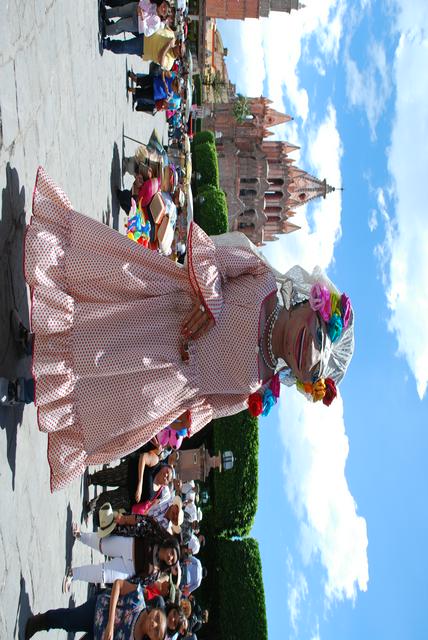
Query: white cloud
{"x": 316, "y": 450}
{"x": 406, "y": 239}
{"x": 319, "y": 66}
{"x": 373, "y": 223}
{"x": 322, "y": 18}
{"x": 252, "y": 59}
{"x": 297, "y": 592}
{"x": 370, "y": 87}
{"x": 314, "y": 245}
{"x": 264, "y": 57}
{"x": 316, "y": 635}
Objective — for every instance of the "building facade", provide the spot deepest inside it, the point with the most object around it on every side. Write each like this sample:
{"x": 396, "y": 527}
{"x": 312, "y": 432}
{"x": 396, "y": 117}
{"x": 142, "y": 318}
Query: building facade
{"x": 216, "y": 85}
{"x": 241, "y": 9}
{"x": 262, "y": 184}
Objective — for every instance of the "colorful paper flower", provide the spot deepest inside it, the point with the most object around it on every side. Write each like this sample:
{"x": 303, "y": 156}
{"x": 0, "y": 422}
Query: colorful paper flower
{"x": 330, "y": 392}
{"x": 255, "y": 404}
{"x": 345, "y": 303}
{"x": 269, "y": 401}
{"x": 319, "y": 300}
{"x": 275, "y": 385}
{"x": 335, "y": 327}
{"x": 318, "y": 390}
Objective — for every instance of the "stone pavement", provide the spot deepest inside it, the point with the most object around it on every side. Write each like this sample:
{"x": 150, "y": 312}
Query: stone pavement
{"x": 63, "y": 105}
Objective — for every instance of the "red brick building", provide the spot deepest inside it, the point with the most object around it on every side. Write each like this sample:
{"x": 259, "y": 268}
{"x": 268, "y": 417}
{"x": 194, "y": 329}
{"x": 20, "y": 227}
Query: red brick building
{"x": 261, "y": 182}
{"x": 241, "y": 9}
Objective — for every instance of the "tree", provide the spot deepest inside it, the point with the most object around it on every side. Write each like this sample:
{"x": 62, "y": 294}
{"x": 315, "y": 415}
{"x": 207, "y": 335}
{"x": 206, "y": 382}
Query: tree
{"x": 241, "y": 108}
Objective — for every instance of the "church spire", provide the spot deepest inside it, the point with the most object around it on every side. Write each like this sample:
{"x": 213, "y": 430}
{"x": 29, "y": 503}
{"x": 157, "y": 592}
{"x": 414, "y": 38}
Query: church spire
{"x": 304, "y": 187}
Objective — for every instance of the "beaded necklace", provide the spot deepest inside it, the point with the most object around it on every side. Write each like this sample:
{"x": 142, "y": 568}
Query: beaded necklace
{"x": 270, "y": 323}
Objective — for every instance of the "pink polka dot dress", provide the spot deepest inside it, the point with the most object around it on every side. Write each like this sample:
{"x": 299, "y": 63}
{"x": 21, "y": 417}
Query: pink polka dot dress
{"x": 107, "y": 315}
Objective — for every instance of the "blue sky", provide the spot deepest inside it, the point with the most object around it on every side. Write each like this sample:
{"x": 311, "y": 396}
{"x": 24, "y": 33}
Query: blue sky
{"x": 343, "y": 519}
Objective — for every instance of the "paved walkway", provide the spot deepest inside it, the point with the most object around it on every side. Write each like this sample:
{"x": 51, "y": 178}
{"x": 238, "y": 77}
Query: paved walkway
{"x": 62, "y": 105}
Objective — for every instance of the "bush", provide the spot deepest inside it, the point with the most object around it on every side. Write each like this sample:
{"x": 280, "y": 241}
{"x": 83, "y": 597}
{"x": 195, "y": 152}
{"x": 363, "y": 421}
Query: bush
{"x": 233, "y": 590}
{"x": 239, "y": 434}
{"x": 198, "y": 89}
{"x": 203, "y": 136}
{"x": 243, "y": 609}
{"x": 205, "y": 163}
{"x": 211, "y": 214}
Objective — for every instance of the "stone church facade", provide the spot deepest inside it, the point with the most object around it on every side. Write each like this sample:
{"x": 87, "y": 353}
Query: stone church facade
{"x": 241, "y": 9}
{"x": 262, "y": 184}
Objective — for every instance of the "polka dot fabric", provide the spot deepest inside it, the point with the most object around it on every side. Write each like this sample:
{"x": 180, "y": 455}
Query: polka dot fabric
{"x": 107, "y": 316}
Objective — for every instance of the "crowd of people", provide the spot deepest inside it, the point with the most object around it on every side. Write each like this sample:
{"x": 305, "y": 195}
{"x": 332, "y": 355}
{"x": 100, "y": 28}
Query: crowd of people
{"x": 149, "y": 529}
{"x": 157, "y": 32}
{"x": 128, "y": 345}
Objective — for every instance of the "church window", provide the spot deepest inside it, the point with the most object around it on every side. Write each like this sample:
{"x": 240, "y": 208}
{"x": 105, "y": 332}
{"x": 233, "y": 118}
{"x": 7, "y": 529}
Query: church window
{"x": 273, "y": 195}
{"x": 248, "y": 214}
{"x": 276, "y": 182}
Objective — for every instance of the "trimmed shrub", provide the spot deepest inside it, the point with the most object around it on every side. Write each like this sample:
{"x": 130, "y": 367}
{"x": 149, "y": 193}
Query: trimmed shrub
{"x": 243, "y": 609}
{"x": 233, "y": 590}
{"x": 203, "y": 136}
{"x": 211, "y": 214}
{"x": 239, "y": 434}
{"x": 206, "y": 165}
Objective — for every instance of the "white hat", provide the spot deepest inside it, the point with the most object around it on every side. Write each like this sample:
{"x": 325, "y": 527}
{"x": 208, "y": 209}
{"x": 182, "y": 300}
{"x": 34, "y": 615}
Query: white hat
{"x": 107, "y": 520}
{"x": 176, "y": 528}
{"x": 181, "y": 198}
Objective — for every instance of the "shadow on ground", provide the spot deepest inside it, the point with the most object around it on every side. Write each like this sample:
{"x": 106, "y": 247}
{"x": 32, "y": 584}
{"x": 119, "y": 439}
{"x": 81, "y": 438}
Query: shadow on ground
{"x": 115, "y": 183}
{"x": 23, "y": 612}
{"x": 100, "y": 28}
{"x": 13, "y": 294}
{"x": 69, "y": 538}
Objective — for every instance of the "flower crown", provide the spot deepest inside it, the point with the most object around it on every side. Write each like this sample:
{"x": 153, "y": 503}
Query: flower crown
{"x": 335, "y": 310}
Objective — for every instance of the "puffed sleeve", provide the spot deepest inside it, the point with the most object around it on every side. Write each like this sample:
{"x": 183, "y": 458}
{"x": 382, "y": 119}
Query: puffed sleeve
{"x": 210, "y": 263}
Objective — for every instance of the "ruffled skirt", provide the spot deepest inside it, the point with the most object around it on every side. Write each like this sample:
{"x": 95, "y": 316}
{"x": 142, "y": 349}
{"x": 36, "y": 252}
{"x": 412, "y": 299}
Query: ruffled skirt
{"x": 106, "y": 314}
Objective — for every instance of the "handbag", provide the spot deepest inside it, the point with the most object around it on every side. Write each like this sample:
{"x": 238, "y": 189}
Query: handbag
{"x": 141, "y": 508}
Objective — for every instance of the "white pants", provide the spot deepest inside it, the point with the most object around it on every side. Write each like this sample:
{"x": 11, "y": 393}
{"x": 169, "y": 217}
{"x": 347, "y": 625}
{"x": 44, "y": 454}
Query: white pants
{"x": 120, "y": 548}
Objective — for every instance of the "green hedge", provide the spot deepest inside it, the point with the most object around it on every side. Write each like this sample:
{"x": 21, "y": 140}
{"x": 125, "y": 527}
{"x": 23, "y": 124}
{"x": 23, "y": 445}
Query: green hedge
{"x": 205, "y": 163}
{"x": 203, "y": 136}
{"x": 243, "y": 608}
{"x": 198, "y": 89}
{"x": 239, "y": 434}
{"x": 211, "y": 214}
{"x": 233, "y": 590}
